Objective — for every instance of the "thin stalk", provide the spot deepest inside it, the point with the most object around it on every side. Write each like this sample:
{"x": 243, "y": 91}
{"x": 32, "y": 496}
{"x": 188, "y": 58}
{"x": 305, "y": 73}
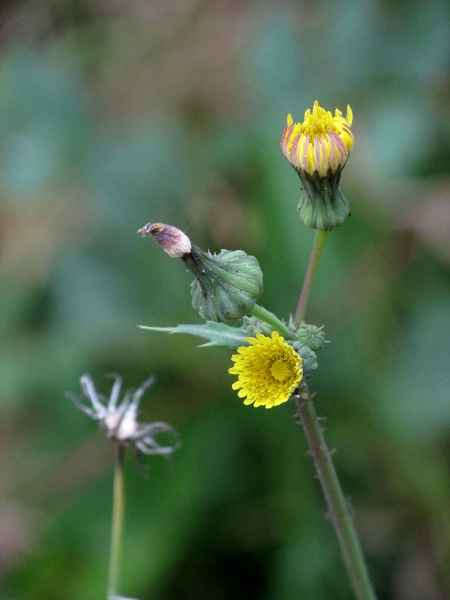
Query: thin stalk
{"x": 318, "y": 245}
{"x": 337, "y": 504}
{"x": 118, "y": 511}
{"x": 265, "y": 315}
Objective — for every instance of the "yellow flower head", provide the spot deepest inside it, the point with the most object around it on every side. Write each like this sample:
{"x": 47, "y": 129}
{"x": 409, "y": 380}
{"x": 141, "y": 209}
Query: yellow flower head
{"x": 269, "y": 370}
{"x": 320, "y": 143}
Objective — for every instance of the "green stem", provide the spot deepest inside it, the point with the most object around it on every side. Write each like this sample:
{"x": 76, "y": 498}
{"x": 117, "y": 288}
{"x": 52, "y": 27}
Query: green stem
{"x": 265, "y": 315}
{"x": 337, "y": 504}
{"x": 117, "y": 523}
{"x": 318, "y": 245}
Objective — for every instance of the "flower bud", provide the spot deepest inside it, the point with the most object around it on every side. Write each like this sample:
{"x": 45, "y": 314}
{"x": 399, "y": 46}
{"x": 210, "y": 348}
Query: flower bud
{"x": 311, "y": 335}
{"x": 318, "y": 150}
{"x": 308, "y": 356}
{"x": 253, "y": 325}
{"x": 227, "y": 284}
{"x": 171, "y": 239}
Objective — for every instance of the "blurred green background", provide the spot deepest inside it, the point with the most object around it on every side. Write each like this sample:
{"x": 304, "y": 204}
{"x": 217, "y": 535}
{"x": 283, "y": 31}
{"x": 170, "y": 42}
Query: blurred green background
{"x": 114, "y": 113}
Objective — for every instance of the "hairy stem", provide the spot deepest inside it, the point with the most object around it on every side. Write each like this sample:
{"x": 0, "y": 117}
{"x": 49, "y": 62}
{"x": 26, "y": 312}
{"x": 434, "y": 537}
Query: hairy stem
{"x": 337, "y": 504}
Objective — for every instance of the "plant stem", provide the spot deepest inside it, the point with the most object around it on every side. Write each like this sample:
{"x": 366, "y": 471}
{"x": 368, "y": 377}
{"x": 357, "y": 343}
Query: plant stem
{"x": 318, "y": 245}
{"x": 265, "y": 315}
{"x": 117, "y": 523}
{"x": 337, "y": 504}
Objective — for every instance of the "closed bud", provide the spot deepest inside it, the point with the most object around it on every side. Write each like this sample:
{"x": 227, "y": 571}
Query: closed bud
{"x": 311, "y": 335}
{"x": 227, "y": 284}
{"x": 308, "y": 356}
{"x": 253, "y": 325}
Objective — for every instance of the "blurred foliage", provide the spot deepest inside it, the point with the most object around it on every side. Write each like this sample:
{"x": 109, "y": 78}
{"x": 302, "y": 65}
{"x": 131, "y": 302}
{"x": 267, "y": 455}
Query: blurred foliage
{"x": 119, "y": 112}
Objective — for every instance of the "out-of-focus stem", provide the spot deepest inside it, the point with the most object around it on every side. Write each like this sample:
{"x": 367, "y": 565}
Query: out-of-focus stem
{"x": 118, "y": 511}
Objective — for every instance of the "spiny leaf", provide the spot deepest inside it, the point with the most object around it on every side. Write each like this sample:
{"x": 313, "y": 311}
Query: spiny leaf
{"x": 218, "y": 334}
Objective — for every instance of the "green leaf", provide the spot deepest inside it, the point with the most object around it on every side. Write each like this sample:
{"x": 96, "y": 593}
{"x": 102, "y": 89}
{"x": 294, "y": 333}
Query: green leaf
{"x": 218, "y": 334}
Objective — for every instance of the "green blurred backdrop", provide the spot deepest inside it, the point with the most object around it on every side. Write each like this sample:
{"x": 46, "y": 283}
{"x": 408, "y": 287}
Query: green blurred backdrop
{"x": 114, "y": 113}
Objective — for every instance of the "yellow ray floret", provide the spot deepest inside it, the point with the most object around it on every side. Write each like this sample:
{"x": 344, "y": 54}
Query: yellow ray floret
{"x": 322, "y": 142}
{"x": 268, "y": 370}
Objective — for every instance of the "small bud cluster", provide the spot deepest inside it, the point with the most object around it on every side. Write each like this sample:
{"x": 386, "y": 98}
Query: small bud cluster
{"x": 228, "y": 284}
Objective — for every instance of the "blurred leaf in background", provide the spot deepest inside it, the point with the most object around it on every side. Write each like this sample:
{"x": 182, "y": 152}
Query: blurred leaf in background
{"x": 116, "y": 113}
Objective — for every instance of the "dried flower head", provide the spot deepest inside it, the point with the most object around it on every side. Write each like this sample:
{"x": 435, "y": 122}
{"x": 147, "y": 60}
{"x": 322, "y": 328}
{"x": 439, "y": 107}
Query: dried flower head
{"x": 119, "y": 419}
{"x": 172, "y": 240}
{"x": 269, "y": 370}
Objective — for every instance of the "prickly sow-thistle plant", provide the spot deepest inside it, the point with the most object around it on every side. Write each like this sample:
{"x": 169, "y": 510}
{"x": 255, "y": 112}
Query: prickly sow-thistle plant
{"x": 276, "y": 358}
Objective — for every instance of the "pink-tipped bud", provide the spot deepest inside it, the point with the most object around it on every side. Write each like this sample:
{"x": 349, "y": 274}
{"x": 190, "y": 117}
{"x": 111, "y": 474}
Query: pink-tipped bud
{"x": 171, "y": 239}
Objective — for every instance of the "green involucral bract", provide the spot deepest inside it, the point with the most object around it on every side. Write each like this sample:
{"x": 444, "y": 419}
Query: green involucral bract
{"x": 308, "y": 356}
{"x": 227, "y": 284}
{"x": 322, "y": 205}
